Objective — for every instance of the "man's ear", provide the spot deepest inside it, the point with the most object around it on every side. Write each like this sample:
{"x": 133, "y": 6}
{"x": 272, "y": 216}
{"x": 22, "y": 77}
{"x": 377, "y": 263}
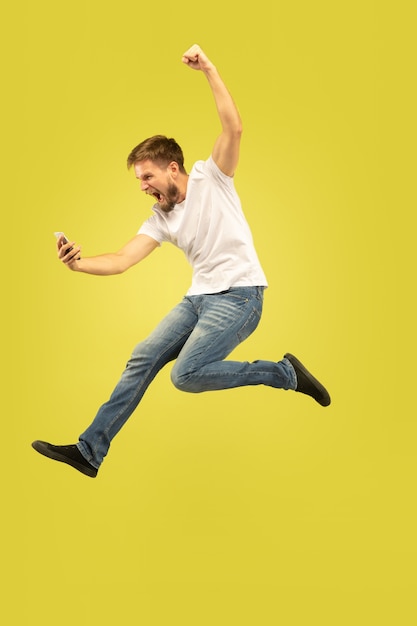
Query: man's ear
{"x": 174, "y": 168}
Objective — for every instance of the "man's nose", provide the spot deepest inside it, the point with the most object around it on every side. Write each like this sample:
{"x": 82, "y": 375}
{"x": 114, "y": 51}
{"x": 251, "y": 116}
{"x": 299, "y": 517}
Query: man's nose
{"x": 144, "y": 185}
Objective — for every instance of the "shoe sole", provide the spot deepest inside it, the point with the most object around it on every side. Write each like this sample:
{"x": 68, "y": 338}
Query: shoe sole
{"x": 42, "y": 448}
{"x": 325, "y": 397}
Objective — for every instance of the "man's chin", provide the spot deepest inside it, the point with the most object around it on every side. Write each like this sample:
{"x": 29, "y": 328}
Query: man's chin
{"x": 166, "y": 207}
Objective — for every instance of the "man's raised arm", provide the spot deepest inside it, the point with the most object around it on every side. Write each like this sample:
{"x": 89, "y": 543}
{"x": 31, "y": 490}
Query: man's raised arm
{"x": 226, "y": 148}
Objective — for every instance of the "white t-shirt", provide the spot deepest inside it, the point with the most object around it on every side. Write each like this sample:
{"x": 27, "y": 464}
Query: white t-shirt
{"x": 211, "y": 230}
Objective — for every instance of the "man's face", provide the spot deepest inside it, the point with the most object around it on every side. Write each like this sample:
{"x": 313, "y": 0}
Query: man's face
{"x": 159, "y": 182}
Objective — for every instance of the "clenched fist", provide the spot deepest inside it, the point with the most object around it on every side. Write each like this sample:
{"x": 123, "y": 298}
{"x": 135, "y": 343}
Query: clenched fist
{"x": 196, "y": 59}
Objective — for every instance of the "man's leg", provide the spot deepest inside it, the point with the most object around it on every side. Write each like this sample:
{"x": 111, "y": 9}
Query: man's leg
{"x": 225, "y": 320}
{"x": 148, "y": 357}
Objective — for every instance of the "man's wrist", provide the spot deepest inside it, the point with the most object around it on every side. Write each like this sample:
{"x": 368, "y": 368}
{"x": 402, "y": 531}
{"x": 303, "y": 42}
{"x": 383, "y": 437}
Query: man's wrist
{"x": 210, "y": 71}
{"x": 76, "y": 267}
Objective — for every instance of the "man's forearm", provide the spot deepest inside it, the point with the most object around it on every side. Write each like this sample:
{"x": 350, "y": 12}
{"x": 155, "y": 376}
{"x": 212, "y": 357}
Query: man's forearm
{"x": 102, "y": 265}
{"x": 113, "y": 262}
{"x": 227, "y": 110}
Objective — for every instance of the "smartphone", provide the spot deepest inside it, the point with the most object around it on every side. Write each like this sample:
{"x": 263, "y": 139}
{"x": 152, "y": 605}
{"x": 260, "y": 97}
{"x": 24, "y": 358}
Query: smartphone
{"x": 58, "y": 235}
{"x": 65, "y": 240}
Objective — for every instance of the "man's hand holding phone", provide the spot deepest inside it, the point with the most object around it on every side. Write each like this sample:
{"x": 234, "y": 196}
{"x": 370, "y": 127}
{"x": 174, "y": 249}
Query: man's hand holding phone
{"x": 68, "y": 252}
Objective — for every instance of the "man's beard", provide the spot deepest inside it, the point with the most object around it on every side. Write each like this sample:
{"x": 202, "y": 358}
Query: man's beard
{"x": 171, "y": 198}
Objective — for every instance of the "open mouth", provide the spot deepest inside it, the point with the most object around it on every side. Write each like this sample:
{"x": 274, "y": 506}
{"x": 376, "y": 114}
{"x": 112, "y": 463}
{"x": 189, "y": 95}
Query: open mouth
{"x": 158, "y": 197}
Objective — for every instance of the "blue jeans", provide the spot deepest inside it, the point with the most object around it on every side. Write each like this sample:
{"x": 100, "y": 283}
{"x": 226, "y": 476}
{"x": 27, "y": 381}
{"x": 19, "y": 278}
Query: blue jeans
{"x": 199, "y": 333}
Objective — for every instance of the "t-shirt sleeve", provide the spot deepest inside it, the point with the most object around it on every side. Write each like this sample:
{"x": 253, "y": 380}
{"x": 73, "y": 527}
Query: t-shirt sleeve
{"x": 152, "y": 229}
{"x": 216, "y": 174}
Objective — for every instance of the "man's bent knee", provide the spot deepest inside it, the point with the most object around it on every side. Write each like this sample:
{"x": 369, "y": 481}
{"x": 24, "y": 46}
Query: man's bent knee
{"x": 185, "y": 382}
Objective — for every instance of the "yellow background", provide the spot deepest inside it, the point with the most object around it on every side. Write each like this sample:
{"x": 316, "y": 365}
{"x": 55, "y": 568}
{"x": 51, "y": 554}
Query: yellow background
{"x": 239, "y": 508}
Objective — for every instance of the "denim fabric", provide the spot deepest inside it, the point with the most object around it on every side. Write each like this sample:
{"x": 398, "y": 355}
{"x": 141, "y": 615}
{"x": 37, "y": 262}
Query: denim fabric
{"x": 199, "y": 333}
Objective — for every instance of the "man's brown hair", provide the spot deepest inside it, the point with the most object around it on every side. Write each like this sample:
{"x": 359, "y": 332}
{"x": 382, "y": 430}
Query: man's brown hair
{"x": 160, "y": 150}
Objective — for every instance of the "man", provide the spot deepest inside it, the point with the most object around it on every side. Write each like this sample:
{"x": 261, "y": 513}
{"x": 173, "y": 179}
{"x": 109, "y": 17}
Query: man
{"x": 201, "y": 214}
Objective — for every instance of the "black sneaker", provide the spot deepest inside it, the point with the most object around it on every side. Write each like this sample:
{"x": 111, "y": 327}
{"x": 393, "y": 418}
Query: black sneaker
{"x": 306, "y": 383}
{"x": 66, "y": 454}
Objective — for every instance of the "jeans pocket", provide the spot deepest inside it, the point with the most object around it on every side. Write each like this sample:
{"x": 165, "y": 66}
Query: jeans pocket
{"x": 244, "y": 294}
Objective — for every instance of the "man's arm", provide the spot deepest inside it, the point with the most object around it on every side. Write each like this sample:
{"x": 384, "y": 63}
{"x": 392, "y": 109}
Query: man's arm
{"x": 226, "y": 149}
{"x": 106, "y": 264}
